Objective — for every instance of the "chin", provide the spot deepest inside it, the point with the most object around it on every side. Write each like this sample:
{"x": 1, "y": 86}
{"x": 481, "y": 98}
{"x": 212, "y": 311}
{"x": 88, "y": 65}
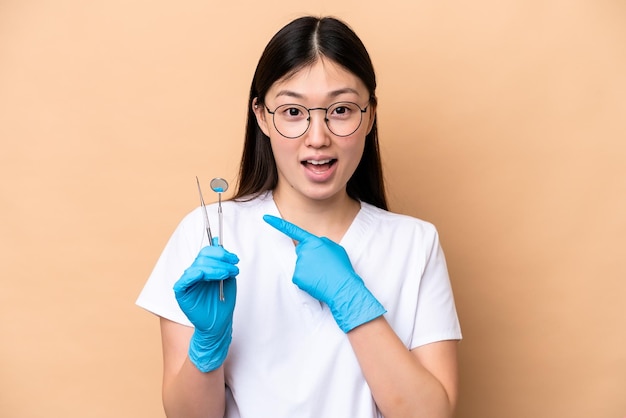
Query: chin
{"x": 324, "y": 193}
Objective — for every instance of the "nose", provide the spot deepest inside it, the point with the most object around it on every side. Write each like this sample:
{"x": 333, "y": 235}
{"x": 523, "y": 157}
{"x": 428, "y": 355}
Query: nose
{"x": 318, "y": 134}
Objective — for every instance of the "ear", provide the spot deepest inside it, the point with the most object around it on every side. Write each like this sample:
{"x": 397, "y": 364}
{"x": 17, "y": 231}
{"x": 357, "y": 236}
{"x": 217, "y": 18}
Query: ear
{"x": 261, "y": 116}
{"x": 370, "y": 123}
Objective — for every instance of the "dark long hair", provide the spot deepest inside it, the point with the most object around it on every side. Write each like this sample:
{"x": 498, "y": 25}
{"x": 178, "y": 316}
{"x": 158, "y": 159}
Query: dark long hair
{"x": 298, "y": 44}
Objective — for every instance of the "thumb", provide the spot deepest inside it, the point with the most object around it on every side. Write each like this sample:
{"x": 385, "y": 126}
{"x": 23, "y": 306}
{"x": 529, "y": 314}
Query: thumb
{"x": 292, "y": 231}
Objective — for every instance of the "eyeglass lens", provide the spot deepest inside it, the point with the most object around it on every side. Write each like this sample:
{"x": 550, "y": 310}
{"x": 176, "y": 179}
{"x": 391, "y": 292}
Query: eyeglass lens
{"x": 293, "y": 120}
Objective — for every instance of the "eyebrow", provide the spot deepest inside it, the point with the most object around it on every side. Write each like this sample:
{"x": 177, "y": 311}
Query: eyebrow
{"x": 332, "y": 94}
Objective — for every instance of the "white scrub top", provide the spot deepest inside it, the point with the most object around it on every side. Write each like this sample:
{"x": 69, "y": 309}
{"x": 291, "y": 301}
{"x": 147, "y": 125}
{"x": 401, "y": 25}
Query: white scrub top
{"x": 288, "y": 358}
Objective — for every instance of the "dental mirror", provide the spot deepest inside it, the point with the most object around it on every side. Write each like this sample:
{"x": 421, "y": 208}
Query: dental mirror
{"x": 219, "y": 186}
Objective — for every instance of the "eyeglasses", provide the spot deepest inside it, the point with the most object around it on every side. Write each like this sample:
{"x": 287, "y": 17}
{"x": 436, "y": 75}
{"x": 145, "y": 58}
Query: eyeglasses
{"x": 293, "y": 120}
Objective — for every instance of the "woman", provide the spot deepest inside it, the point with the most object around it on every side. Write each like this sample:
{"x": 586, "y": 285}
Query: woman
{"x": 360, "y": 323}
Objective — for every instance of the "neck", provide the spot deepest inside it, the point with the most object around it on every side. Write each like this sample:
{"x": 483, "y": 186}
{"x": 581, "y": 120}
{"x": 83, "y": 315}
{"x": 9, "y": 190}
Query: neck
{"x": 329, "y": 217}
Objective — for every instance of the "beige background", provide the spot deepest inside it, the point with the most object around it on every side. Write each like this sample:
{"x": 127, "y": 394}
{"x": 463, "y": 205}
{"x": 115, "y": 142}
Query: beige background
{"x": 503, "y": 122}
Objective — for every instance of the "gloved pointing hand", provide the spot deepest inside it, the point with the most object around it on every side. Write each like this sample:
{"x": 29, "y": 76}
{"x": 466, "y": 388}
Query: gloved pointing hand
{"x": 324, "y": 271}
{"x": 197, "y": 293}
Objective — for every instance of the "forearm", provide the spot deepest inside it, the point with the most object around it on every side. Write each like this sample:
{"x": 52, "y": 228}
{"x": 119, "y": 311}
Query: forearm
{"x": 400, "y": 384}
{"x": 192, "y": 393}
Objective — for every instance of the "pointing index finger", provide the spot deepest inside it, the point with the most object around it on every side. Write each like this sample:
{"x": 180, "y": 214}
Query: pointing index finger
{"x": 292, "y": 231}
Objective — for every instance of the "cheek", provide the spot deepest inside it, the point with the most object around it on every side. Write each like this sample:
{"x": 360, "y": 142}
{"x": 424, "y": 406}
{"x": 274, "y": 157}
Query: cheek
{"x": 284, "y": 152}
{"x": 355, "y": 153}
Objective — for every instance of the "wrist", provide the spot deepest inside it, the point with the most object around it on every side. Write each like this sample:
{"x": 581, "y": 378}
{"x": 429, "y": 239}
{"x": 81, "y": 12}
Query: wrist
{"x": 355, "y": 306}
{"x": 208, "y": 351}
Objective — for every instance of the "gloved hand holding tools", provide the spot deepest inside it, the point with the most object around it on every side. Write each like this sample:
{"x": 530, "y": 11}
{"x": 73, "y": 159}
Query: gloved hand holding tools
{"x": 197, "y": 293}
{"x": 323, "y": 270}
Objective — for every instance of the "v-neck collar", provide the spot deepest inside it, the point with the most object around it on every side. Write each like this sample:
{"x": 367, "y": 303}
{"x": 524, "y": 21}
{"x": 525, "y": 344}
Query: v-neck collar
{"x": 353, "y": 242}
{"x": 351, "y": 238}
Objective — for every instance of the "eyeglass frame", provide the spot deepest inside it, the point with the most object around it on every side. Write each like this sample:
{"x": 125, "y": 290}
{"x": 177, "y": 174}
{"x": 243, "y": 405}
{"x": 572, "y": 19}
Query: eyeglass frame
{"x": 325, "y": 109}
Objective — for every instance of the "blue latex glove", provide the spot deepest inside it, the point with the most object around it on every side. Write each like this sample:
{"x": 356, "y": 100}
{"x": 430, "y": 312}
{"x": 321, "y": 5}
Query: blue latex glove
{"x": 324, "y": 271}
{"x": 197, "y": 293}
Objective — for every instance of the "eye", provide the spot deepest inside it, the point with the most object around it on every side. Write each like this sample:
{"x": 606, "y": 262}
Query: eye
{"x": 291, "y": 112}
{"x": 342, "y": 110}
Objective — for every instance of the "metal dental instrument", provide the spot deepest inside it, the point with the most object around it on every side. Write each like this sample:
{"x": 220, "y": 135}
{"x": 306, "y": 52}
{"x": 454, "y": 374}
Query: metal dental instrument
{"x": 219, "y": 186}
{"x": 206, "y": 215}
{"x": 207, "y": 226}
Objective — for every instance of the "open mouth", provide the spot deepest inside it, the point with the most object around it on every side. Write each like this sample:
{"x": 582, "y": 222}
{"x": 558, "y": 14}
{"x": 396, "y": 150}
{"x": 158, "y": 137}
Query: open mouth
{"x": 319, "y": 165}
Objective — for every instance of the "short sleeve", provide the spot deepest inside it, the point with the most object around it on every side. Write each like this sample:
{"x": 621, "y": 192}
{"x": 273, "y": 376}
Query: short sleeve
{"x": 436, "y": 318}
{"x": 157, "y": 296}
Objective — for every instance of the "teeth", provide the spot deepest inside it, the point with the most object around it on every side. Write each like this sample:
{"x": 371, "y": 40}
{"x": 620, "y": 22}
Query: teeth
{"x": 318, "y": 162}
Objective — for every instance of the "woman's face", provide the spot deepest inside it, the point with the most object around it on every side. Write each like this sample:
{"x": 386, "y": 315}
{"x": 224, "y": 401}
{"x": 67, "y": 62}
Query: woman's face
{"x": 318, "y": 164}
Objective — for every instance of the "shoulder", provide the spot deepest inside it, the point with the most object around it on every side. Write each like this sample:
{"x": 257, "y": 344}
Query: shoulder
{"x": 259, "y": 202}
{"x": 398, "y": 231}
{"x": 230, "y": 207}
{"x": 397, "y": 222}
{"x": 234, "y": 212}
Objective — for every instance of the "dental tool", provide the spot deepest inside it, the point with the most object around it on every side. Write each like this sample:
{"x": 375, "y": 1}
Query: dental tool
{"x": 207, "y": 226}
{"x": 219, "y": 186}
